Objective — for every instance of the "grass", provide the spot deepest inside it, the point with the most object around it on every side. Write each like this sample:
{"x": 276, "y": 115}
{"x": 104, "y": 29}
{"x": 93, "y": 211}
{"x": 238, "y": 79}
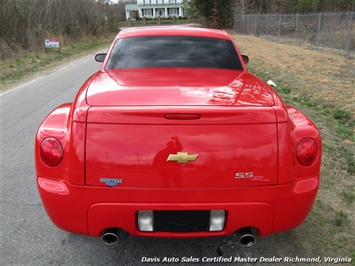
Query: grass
{"x": 340, "y": 218}
{"x": 322, "y": 86}
{"x": 349, "y": 196}
{"x": 26, "y": 64}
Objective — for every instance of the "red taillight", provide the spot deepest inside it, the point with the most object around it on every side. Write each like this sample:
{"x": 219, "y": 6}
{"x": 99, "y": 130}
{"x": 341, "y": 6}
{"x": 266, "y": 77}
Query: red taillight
{"x": 51, "y": 151}
{"x": 307, "y": 151}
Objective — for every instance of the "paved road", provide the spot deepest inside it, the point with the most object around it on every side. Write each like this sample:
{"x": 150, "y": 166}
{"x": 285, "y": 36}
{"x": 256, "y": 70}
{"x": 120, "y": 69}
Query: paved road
{"x": 28, "y": 237}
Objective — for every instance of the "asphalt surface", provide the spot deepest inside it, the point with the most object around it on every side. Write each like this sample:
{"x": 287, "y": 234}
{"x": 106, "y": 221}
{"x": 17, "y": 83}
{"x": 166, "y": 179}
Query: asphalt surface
{"x": 28, "y": 237}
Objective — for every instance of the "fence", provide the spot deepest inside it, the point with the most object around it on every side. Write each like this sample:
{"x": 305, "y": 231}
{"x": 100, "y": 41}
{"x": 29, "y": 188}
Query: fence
{"x": 334, "y": 30}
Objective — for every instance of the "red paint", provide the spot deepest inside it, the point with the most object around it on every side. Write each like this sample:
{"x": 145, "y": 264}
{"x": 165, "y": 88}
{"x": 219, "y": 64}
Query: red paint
{"x": 182, "y": 86}
{"x": 124, "y": 124}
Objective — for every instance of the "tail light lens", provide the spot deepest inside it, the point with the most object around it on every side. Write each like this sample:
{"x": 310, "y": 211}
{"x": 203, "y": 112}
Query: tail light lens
{"x": 51, "y": 151}
{"x": 307, "y": 151}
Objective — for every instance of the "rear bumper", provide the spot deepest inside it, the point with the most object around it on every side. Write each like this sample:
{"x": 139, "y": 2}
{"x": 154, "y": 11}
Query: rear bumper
{"x": 90, "y": 210}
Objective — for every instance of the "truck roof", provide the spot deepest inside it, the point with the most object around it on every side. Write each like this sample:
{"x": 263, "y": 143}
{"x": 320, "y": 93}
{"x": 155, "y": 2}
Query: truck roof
{"x": 172, "y": 31}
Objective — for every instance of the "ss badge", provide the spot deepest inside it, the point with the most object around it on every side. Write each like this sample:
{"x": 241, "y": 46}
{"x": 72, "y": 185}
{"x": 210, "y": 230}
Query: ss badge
{"x": 244, "y": 175}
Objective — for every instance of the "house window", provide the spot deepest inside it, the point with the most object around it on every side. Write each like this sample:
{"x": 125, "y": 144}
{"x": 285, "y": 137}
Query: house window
{"x": 172, "y": 1}
{"x": 173, "y": 11}
{"x": 147, "y": 12}
{"x": 146, "y": 1}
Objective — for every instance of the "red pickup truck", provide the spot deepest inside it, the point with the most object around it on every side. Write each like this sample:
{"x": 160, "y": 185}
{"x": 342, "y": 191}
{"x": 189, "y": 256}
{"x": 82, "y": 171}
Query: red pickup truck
{"x": 173, "y": 137}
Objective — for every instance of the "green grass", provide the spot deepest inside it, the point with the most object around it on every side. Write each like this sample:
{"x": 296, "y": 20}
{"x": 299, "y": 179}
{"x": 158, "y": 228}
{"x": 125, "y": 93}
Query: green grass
{"x": 341, "y": 218}
{"x": 348, "y": 195}
{"x": 341, "y": 115}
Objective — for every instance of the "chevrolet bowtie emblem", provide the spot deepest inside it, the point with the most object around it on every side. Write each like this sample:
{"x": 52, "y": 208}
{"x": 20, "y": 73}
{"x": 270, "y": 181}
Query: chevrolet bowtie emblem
{"x": 182, "y": 157}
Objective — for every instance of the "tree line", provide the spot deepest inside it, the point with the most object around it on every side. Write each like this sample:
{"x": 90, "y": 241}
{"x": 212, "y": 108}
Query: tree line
{"x": 24, "y": 24}
{"x": 294, "y": 6}
{"x": 219, "y": 13}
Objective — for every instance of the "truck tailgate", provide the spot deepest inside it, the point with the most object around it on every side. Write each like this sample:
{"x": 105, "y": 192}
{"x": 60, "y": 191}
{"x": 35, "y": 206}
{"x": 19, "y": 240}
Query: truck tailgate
{"x": 169, "y": 147}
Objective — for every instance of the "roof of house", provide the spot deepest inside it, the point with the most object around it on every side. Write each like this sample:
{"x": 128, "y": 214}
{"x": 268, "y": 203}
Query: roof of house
{"x": 131, "y": 7}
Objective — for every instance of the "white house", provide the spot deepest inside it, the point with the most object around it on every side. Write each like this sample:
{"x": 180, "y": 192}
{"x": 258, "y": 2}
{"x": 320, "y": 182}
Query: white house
{"x": 155, "y": 9}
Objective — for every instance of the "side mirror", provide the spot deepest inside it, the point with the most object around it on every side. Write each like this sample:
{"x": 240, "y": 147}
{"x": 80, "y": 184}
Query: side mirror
{"x": 245, "y": 58}
{"x": 100, "y": 57}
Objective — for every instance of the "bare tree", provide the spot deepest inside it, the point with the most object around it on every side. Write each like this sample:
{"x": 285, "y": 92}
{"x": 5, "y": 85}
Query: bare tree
{"x": 244, "y": 6}
{"x": 24, "y": 24}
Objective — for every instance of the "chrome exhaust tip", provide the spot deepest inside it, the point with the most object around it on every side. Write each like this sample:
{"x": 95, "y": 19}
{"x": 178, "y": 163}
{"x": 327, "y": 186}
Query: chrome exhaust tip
{"x": 246, "y": 237}
{"x": 110, "y": 236}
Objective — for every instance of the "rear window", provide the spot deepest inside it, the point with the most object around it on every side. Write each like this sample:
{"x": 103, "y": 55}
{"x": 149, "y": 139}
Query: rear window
{"x": 173, "y": 51}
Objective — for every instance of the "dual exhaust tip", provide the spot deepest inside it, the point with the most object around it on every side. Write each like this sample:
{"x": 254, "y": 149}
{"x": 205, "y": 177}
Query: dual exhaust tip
{"x": 245, "y": 236}
{"x": 110, "y": 236}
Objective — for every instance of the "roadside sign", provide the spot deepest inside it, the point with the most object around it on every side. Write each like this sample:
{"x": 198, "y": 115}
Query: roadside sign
{"x": 51, "y": 43}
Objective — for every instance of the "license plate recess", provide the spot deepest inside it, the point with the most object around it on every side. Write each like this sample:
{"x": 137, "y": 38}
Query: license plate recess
{"x": 181, "y": 221}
